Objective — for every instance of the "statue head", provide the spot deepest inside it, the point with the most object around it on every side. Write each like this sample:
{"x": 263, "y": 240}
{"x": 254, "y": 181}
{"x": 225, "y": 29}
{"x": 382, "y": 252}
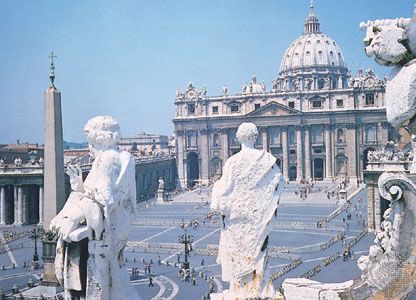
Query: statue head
{"x": 247, "y": 134}
{"x": 103, "y": 133}
{"x": 383, "y": 42}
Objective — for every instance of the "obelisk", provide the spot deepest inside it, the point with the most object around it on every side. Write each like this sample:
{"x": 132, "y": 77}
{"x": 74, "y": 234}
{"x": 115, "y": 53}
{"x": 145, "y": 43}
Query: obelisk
{"x": 53, "y": 170}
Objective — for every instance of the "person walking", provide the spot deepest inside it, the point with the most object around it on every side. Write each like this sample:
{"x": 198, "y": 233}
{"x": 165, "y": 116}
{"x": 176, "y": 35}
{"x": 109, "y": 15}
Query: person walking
{"x": 150, "y": 281}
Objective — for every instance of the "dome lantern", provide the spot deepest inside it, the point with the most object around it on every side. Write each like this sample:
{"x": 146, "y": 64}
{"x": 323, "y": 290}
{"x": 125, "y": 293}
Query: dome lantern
{"x": 312, "y": 24}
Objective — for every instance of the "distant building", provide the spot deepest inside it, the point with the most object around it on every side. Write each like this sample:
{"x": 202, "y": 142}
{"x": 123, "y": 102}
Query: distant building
{"x": 146, "y": 144}
{"x": 317, "y": 119}
{"x": 29, "y": 154}
{"x": 22, "y": 194}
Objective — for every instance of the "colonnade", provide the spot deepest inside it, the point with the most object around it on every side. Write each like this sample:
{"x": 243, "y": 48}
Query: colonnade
{"x": 21, "y": 204}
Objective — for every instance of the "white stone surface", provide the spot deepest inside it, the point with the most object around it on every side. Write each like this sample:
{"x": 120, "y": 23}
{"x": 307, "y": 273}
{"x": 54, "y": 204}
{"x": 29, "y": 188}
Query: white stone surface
{"x": 386, "y": 40}
{"x": 102, "y": 209}
{"x": 247, "y": 196}
{"x": 306, "y": 289}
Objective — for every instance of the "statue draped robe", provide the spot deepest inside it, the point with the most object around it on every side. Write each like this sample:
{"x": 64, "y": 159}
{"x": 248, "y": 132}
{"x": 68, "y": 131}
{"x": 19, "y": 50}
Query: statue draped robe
{"x": 247, "y": 196}
{"x": 100, "y": 217}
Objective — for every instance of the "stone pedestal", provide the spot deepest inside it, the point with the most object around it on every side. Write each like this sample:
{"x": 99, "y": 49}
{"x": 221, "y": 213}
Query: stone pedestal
{"x": 50, "y": 287}
{"x": 160, "y": 196}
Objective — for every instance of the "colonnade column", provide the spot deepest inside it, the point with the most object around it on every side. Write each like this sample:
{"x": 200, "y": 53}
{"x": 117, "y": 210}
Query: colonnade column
{"x": 19, "y": 211}
{"x": 15, "y": 204}
{"x": 307, "y": 154}
{"x": 2, "y": 205}
{"x": 299, "y": 155}
{"x": 285, "y": 154}
{"x": 25, "y": 204}
{"x": 41, "y": 204}
{"x": 328, "y": 154}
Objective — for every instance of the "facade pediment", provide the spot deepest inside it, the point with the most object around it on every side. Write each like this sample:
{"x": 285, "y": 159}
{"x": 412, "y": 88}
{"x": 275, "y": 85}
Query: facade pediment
{"x": 274, "y": 109}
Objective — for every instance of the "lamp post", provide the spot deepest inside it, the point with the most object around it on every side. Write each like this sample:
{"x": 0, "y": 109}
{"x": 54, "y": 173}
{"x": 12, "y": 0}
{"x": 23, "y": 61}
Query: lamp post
{"x": 35, "y": 234}
{"x": 187, "y": 240}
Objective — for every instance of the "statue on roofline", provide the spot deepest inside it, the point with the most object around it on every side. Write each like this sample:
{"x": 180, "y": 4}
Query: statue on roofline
{"x": 93, "y": 225}
{"x": 247, "y": 196}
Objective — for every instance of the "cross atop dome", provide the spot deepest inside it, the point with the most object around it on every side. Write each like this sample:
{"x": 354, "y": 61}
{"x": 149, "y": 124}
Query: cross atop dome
{"x": 312, "y": 24}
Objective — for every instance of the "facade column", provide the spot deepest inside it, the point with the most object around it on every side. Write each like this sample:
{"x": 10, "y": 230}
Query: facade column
{"x": 307, "y": 154}
{"x": 285, "y": 154}
{"x": 180, "y": 152}
{"x": 2, "y": 205}
{"x": 328, "y": 154}
{"x": 299, "y": 154}
{"x": 204, "y": 155}
{"x": 41, "y": 204}
{"x": 352, "y": 152}
{"x": 224, "y": 146}
{"x": 264, "y": 139}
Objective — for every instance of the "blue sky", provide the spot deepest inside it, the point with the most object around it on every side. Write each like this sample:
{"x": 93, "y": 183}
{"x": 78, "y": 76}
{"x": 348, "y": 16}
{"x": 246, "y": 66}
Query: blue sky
{"x": 126, "y": 58}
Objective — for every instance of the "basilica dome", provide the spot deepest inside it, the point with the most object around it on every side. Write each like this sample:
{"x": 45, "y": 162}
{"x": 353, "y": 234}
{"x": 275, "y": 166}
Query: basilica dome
{"x": 313, "y": 50}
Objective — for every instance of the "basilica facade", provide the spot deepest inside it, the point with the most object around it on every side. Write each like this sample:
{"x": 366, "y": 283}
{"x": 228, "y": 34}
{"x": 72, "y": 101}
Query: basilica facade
{"x": 317, "y": 119}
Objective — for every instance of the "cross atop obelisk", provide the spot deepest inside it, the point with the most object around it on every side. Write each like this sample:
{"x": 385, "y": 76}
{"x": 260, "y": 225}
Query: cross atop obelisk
{"x": 53, "y": 170}
{"x": 52, "y": 75}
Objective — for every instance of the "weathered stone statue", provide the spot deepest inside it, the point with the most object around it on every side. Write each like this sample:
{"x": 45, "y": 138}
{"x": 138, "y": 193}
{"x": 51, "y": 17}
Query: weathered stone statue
{"x": 393, "y": 43}
{"x": 161, "y": 186}
{"x": 246, "y": 196}
{"x": 93, "y": 226}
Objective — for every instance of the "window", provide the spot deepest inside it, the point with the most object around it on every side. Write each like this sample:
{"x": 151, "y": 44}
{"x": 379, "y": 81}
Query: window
{"x": 316, "y": 103}
{"x": 234, "y": 108}
{"x": 274, "y": 136}
{"x": 318, "y": 151}
{"x": 215, "y": 140}
{"x": 340, "y": 103}
{"x": 191, "y": 109}
{"x": 340, "y": 136}
{"x": 369, "y": 99}
{"x": 215, "y": 109}
{"x": 292, "y": 151}
{"x": 291, "y": 104}
{"x": 334, "y": 84}
{"x": 371, "y": 134}
{"x": 256, "y": 106}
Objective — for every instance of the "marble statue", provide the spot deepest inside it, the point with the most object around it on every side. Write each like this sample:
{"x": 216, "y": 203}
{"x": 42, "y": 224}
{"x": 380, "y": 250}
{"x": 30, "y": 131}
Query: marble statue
{"x": 246, "y": 196}
{"x": 18, "y": 161}
{"x": 224, "y": 90}
{"x": 392, "y": 42}
{"x": 263, "y": 86}
{"x": 1, "y": 162}
{"x": 161, "y": 184}
{"x": 308, "y": 84}
{"x": 94, "y": 224}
